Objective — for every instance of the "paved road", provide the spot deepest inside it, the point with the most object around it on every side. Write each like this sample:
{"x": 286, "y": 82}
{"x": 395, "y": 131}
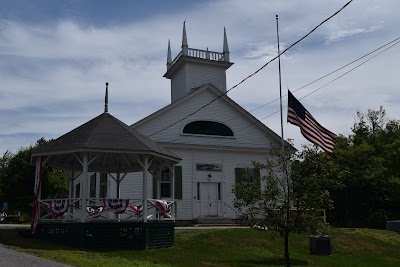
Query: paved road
{"x": 12, "y": 258}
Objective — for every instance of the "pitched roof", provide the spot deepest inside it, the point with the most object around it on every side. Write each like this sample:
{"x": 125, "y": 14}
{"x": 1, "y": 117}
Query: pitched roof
{"x": 103, "y": 133}
{"x": 211, "y": 87}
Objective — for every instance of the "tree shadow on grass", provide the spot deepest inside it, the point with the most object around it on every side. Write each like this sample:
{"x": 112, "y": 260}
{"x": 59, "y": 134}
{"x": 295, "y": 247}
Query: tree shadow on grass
{"x": 273, "y": 262}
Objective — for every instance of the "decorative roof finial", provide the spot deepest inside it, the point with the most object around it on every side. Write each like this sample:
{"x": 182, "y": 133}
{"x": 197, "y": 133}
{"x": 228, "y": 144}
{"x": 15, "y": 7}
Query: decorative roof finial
{"x": 106, "y": 100}
{"x": 169, "y": 58}
{"x": 226, "y": 47}
{"x": 184, "y": 40}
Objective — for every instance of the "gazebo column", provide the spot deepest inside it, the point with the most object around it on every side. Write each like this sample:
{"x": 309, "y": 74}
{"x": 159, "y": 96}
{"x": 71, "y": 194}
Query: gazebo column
{"x": 84, "y": 185}
{"x": 118, "y": 181}
{"x": 172, "y": 170}
{"x": 71, "y": 189}
{"x": 116, "y": 216}
{"x": 145, "y": 178}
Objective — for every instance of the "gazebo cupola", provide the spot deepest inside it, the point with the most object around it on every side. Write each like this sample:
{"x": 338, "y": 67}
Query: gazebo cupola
{"x": 193, "y": 68}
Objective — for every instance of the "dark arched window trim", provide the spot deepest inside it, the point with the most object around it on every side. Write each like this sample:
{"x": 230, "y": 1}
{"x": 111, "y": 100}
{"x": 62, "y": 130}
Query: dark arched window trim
{"x": 208, "y": 128}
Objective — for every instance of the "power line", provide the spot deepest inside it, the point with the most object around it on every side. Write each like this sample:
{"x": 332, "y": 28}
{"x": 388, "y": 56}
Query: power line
{"x": 340, "y": 76}
{"x": 393, "y": 43}
{"x": 254, "y": 73}
{"x": 332, "y": 72}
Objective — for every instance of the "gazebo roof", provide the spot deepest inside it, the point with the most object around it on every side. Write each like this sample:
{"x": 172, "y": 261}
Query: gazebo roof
{"x": 112, "y": 144}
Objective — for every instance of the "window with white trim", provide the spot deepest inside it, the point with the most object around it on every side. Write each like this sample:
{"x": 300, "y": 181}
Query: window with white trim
{"x": 166, "y": 184}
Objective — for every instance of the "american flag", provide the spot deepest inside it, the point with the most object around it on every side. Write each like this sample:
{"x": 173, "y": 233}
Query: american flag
{"x": 309, "y": 127}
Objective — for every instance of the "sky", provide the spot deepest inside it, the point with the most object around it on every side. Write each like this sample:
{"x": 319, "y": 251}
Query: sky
{"x": 55, "y": 57}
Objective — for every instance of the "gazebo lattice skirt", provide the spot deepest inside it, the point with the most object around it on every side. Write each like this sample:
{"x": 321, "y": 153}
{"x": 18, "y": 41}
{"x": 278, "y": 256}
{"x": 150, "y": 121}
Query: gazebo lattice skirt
{"x": 110, "y": 235}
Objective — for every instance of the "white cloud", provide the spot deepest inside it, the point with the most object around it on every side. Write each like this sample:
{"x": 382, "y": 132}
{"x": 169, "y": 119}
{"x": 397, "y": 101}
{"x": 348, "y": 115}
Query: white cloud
{"x": 53, "y": 75}
{"x": 342, "y": 34}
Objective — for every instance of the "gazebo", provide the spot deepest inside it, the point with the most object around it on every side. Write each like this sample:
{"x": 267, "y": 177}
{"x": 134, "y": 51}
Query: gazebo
{"x": 107, "y": 145}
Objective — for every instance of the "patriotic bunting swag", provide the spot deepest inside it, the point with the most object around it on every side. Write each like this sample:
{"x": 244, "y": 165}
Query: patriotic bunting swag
{"x": 58, "y": 206}
{"x": 163, "y": 206}
{"x": 95, "y": 211}
{"x": 118, "y": 206}
{"x": 137, "y": 210}
{"x": 309, "y": 127}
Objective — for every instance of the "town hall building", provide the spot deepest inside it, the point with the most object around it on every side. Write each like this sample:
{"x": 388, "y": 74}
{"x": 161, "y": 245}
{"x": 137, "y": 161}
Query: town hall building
{"x": 133, "y": 183}
{"x": 212, "y": 134}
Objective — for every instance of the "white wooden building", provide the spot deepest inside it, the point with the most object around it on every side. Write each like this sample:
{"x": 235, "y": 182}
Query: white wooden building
{"x": 213, "y": 143}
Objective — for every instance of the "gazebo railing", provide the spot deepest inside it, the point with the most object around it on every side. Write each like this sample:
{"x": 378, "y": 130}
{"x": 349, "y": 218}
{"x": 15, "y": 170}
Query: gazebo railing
{"x": 59, "y": 209}
{"x": 104, "y": 209}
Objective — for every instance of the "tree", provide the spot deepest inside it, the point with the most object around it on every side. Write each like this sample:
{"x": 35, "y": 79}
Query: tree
{"x": 368, "y": 161}
{"x": 17, "y": 178}
{"x": 288, "y": 197}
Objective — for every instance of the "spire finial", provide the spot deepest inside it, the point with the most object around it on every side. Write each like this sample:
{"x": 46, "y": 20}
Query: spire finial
{"x": 106, "y": 100}
{"x": 226, "y": 47}
{"x": 184, "y": 40}
{"x": 169, "y": 58}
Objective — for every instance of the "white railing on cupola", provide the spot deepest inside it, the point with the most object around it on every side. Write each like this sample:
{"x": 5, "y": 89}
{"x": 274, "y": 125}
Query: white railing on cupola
{"x": 198, "y": 53}
{"x": 203, "y": 54}
{"x": 206, "y": 54}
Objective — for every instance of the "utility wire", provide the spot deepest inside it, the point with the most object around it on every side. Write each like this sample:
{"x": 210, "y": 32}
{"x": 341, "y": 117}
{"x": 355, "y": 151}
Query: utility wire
{"x": 332, "y": 72}
{"x": 340, "y": 76}
{"x": 254, "y": 73}
{"x": 393, "y": 43}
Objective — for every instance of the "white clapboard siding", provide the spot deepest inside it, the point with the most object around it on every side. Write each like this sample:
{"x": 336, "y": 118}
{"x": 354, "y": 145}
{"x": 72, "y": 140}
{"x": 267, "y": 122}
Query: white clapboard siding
{"x": 179, "y": 84}
{"x": 200, "y": 74}
{"x": 251, "y": 142}
{"x": 229, "y": 160}
{"x": 234, "y": 160}
{"x": 132, "y": 186}
{"x": 191, "y": 75}
{"x": 247, "y": 133}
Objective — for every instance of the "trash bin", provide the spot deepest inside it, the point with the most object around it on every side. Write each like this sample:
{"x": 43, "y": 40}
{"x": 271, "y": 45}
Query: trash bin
{"x": 320, "y": 245}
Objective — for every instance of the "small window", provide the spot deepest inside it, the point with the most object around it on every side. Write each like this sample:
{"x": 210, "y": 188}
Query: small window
{"x": 207, "y": 128}
{"x": 219, "y": 191}
{"x": 166, "y": 184}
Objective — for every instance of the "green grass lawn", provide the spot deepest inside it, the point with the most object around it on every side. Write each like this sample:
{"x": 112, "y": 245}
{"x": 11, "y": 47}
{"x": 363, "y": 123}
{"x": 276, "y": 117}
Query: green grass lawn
{"x": 228, "y": 247}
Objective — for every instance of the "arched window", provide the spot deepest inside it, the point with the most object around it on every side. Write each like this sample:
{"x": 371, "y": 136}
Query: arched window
{"x": 207, "y": 128}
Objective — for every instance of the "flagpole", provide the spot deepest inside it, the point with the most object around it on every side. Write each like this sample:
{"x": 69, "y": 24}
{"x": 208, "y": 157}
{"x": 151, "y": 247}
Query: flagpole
{"x": 287, "y": 212}
{"x": 280, "y": 84}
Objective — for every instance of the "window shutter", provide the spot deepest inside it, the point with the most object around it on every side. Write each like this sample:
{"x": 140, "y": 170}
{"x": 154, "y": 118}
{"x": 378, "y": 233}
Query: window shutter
{"x": 238, "y": 175}
{"x": 154, "y": 187}
{"x": 178, "y": 182}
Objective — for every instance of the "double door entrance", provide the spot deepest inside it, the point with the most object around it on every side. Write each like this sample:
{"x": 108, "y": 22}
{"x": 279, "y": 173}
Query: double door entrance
{"x": 209, "y": 199}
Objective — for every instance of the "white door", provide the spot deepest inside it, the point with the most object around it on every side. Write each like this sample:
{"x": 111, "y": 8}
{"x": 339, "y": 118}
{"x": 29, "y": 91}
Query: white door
{"x": 208, "y": 199}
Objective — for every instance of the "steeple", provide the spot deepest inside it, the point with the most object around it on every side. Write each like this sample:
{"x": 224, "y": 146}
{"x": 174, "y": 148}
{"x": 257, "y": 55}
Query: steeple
{"x": 184, "y": 41}
{"x": 226, "y": 47}
{"x": 169, "y": 58}
{"x": 193, "y": 68}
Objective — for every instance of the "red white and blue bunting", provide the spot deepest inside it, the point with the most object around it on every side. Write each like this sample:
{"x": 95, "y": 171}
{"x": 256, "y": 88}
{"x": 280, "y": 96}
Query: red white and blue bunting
{"x": 95, "y": 211}
{"x": 163, "y": 206}
{"x": 118, "y": 206}
{"x": 137, "y": 210}
{"x": 58, "y": 206}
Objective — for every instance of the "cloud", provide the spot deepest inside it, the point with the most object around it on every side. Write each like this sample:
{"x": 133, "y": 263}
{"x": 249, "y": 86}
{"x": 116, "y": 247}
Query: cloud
{"x": 53, "y": 73}
{"x": 342, "y": 34}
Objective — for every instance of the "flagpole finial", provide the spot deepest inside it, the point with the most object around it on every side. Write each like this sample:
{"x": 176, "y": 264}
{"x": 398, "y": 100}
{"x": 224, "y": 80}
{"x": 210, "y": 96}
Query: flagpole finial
{"x": 106, "y": 100}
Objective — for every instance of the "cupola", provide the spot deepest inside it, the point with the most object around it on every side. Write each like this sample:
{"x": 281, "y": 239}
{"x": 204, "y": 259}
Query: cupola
{"x": 193, "y": 68}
